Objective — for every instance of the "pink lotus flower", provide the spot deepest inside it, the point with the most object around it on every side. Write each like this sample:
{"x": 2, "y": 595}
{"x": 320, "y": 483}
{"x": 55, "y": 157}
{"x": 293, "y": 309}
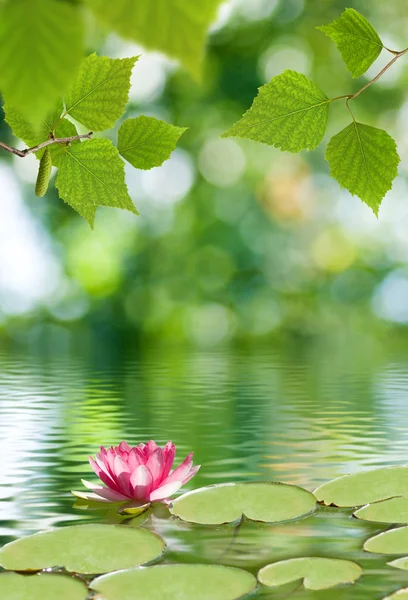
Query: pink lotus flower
{"x": 140, "y": 474}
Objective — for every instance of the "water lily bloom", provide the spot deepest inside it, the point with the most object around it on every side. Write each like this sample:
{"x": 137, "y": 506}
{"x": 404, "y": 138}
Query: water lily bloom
{"x": 141, "y": 474}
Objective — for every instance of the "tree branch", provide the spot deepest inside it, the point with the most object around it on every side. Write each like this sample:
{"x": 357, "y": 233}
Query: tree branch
{"x": 349, "y": 97}
{"x": 66, "y": 140}
{"x": 380, "y": 74}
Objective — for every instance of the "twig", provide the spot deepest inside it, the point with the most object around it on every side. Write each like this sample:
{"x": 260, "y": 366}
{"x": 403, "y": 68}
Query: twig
{"x": 66, "y": 140}
{"x": 380, "y": 74}
{"x": 349, "y": 97}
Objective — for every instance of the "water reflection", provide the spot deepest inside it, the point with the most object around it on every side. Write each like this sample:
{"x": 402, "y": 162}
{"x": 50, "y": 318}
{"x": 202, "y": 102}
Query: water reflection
{"x": 297, "y": 418}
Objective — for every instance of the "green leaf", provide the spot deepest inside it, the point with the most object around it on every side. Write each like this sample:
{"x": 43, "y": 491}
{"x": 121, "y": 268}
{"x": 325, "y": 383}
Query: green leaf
{"x": 364, "y": 487}
{"x": 146, "y": 142}
{"x": 32, "y": 136}
{"x": 227, "y": 502}
{"x": 87, "y": 549}
{"x": 92, "y": 174}
{"x": 184, "y": 582}
{"x": 99, "y": 94}
{"x": 364, "y": 160}
{"x": 290, "y": 112}
{"x": 176, "y": 27}
{"x": 316, "y": 573}
{"x": 393, "y": 510}
{"x": 399, "y": 595}
{"x": 356, "y": 39}
{"x": 41, "y": 587}
{"x": 58, "y": 151}
{"x": 41, "y": 47}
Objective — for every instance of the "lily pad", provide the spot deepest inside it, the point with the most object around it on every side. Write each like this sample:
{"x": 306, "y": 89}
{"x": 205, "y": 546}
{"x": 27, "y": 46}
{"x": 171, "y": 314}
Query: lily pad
{"x": 133, "y": 508}
{"x": 316, "y": 573}
{"x": 41, "y": 587}
{"x": 176, "y": 582}
{"x": 399, "y": 595}
{"x": 228, "y": 502}
{"x": 394, "y": 541}
{"x": 393, "y": 510}
{"x": 365, "y": 487}
{"x": 86, "y": 549}
{"x": 400, "y": 563}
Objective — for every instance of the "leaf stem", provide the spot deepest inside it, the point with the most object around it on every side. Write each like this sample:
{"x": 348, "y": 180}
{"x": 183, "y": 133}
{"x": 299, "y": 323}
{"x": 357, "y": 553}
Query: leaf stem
{"x": 233, "y": 539}
{"x": 380, "y": 74}
{"x": 26, "y": 151}
{"x": 349, "y": 97}
{"x": 391, "y": 51}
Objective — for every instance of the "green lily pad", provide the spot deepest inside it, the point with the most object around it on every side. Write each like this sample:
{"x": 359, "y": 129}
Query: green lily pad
{"x": 86, "y": 549}
{"x": 364, "y": 488}
{"x": 316, "y": 573}
{"x": 228, "y": 502}
{"x": 393, "y": 510}
{"x": 399, "y": 595}
{"x": 400, "y": 563}
{"x": 394, "y": 541}
{"x": 41, "y": 587}
{"x": 176, "y": 582}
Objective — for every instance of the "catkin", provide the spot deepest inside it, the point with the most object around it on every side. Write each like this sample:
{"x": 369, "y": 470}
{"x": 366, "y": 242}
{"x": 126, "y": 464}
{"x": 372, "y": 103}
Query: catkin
{"x": 44, "y": 174}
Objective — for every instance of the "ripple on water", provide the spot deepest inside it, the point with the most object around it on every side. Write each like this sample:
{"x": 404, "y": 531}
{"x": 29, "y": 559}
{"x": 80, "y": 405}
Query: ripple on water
{"x": 247, "y": 415}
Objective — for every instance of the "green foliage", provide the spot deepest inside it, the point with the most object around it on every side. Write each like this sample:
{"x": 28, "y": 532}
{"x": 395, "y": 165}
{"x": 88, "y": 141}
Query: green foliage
{"x": 99, "y": 94}
{"x": 146, "y": 142}
{"x": 290, "y": 112}
{"x": 52, "y": 124}
{"x": 41, "y": 47}
{"x": 316, "y": 573}
{"x": 93, "y": 175}
{"x": 84, "y": 549}
{"x": 356, "y": 39}
{"x": 63, "y": 128}
{"x": 364, "y": 160}
{"x": 44, "y": 174}
{"x": 184, "y": 582}
{"x": 175, "y": 27}
{"x": 41, "y": 587}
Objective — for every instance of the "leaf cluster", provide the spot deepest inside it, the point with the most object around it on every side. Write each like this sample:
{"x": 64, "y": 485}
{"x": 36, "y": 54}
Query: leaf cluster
{"x": 91, "y": 173}
{"x": 290, "y": 112}
{"x": 42, "y": 41}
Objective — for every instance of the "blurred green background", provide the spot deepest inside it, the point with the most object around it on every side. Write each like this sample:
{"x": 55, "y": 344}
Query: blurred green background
{"x": 235, "y": 241}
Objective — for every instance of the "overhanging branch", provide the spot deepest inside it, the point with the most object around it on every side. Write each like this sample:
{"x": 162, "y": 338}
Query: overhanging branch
{"x": 26, "y": 151}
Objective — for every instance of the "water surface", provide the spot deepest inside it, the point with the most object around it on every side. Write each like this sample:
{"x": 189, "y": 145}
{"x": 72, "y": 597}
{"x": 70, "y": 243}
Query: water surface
{"x": 297, "y": 416}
